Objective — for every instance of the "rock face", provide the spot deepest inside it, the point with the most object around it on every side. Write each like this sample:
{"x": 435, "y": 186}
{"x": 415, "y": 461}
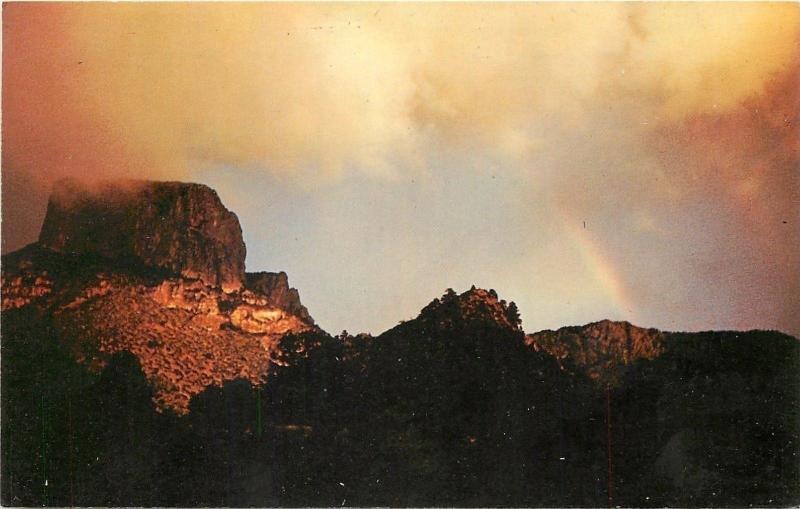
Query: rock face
{"x": 181, "y": 228}
{"x": 601, "y": 349}
{"x": 155, "y": 269}
{"x": 186, "y": 335}
{"x": 275, "y": 286}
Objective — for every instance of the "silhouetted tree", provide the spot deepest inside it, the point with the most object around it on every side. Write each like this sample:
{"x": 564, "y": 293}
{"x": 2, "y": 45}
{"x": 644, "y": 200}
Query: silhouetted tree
{"x": 513, "y": 315}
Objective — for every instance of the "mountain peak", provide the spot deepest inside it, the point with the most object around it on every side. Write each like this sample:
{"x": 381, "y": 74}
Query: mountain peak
{"x": 474, "y": 305}
{"x": 180, "y": 227}
{"x": 155, "y": 269}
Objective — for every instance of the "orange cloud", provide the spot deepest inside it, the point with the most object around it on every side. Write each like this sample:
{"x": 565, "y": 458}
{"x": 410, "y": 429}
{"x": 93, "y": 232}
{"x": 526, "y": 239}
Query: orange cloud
{"x": 160, "y": 89}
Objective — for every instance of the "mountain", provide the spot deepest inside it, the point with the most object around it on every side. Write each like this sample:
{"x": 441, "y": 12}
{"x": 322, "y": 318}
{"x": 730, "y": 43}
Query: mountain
{"x": 155, "y": 269}
{"x": 602, "y": 349}
{"x": 183, "y": 228}
{"x": 141, "y": 366}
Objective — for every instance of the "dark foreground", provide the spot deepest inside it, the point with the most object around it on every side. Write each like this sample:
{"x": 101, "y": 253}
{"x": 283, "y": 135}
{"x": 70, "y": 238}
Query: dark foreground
{"x": 449, "y": 409}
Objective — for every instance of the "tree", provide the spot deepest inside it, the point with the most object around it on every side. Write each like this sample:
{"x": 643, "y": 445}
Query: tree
{"x": 512, "y": 313}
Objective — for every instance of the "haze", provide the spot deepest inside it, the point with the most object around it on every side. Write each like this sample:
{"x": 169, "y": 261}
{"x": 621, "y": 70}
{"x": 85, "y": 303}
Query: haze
{"x": 629, "y": 161}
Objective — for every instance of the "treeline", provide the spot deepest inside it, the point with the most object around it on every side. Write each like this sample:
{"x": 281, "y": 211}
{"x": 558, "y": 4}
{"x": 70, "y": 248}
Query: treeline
{"x": 443, "y": 410}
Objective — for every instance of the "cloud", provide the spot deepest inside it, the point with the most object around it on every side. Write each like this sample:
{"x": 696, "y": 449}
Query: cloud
{"x": 159, "y": 89}
{"x": 670, "y": 128}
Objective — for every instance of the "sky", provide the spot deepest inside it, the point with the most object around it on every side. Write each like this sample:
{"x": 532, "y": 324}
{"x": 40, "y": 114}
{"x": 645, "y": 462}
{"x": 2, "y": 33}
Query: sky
{"x": 632, "y": 161}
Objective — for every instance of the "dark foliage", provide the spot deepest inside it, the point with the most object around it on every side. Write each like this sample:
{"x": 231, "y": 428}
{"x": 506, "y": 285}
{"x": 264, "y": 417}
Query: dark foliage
{"x": 449, "y": 409}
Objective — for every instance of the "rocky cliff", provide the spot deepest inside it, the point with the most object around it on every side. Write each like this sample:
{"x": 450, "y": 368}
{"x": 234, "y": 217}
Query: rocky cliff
{"x": 601, "y": 349}
{"x": 275, "y": 286}
{"x": 155, "y": 269}
{"x": 181, "y": 228}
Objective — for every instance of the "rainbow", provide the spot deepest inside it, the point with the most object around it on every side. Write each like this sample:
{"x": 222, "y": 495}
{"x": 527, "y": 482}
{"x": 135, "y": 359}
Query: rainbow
{"x": 600, "y": 266}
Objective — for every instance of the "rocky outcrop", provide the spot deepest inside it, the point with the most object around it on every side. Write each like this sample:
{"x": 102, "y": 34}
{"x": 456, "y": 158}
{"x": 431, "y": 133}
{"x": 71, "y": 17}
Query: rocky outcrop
{"x": 181, "y": 228}
{"x": 275, "y": 287}
{"x": 180, "y": 349}
{"x": 601, "y": 349}
{"x": 185, "y": 334}
{"x": 155, "y": 269}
